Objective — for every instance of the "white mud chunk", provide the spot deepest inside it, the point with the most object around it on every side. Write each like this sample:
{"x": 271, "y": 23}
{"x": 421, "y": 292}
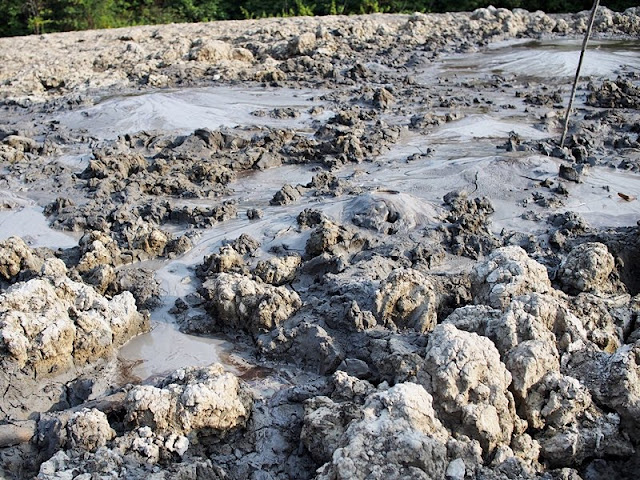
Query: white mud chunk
{"x": 216, "y": 51}
{"x": 470, "y": 386}
{"x": 161, "y": 423}
{"x": 531, "y": 335}
{"x": 331, "y": 238}
{"x": 556, "y": 401}
{"x": 185, "y": 404}
{"x": 603, "y": 318}
{"x": 278, "y": 270}
{"x": 89, "y": 430}
{"x": 396, "y": 436}
{"x": 528, "y": 317}
{"x": 236, "y": 301}
{"x": 587, "y": 269}
{"x": 227, "y": 260}
{"x": 303, "y": 44}
{"x": 144, "y": 237}
{"x": 98, "y": 249}
{"x": 567, "y": 323}
{"x": 148, "y": 447}
{"x": 524, "y": 336}
{"x": 529, "y": 362}
{"x": 406, "y": 299}
{"x": 50, "y": 324}
{"x": 138, "y": 458}
{"x": 614, "y": 381}
{"x": 15, "y": 257}
{"x": 506, "y": 273}
{"x": 190, "y": 399}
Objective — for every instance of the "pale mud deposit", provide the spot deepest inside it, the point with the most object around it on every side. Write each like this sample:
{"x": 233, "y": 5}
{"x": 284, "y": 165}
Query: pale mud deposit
{"x": 331, "y": 248}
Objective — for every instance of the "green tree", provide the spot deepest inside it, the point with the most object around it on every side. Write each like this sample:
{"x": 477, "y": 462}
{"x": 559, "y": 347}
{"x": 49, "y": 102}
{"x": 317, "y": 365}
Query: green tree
{"x": 15, "y": 18}
{"x": 38, "y": 15}
{"x": 21, "y": 17}
{"x": 65, "y": 15}
{"x": 195, "y": 10}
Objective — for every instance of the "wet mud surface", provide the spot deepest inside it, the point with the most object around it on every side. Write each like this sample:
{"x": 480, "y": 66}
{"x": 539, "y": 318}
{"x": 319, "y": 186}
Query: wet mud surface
{"x": 341, "y": 247}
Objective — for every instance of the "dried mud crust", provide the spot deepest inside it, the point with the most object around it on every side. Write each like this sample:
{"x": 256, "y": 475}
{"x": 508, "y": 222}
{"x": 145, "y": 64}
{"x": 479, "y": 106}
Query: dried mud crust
{"x": 400, "y": 339}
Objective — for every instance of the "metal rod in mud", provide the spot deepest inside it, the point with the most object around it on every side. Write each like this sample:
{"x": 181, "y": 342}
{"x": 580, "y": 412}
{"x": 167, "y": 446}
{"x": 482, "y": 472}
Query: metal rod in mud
{"x": 575, "y": 81}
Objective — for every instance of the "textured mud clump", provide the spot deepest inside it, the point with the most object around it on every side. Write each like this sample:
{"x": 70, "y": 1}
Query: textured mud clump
{"x": 587, "y": 268}
{"x": 615, "y": 94}
{"x": 52, "y": 327}
{"x": 238, "y": 302}
{"x": 399, "y": 431}
{"x": 83, "y": 325}
{"x": 389, "y": 295}
{"x": 160, "y": 424}
{"x": 17, "y": 258}
{"x": 190, "y": 400}
{"x": 508, "y": 272}
{"x": 406, "y": 299}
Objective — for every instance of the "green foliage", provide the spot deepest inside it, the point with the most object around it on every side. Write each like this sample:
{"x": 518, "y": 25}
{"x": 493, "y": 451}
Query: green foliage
{"x": 299, "y": 9}
{"x": 371, "y": 6}
{"x": 304, "y": 10}
{"x": 83, "y": 14}
{"x": 21, "y": 17}
{"x": 335, "y": 9}
{"x": 195, "y": 10}
{"x": 15, "y": 18}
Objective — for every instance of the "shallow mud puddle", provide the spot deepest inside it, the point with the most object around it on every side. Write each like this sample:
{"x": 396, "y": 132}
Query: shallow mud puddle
{"x": 25, "y": 219}
{"x": 186, "y": 110}
{"x": 165, "y": 349}
{"x": 543, "y": 59}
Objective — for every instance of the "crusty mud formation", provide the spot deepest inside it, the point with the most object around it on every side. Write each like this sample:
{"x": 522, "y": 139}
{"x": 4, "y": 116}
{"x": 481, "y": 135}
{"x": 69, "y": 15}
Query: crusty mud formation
{"x": 413, "y": 278}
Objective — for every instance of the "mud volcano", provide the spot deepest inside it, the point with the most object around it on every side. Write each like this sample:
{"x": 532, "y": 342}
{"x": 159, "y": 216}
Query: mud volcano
{"x": 329, "y": 248}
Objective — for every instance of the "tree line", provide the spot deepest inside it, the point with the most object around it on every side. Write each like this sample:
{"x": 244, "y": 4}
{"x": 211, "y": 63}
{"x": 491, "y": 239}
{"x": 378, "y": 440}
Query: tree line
{"x": 23, "y": 17}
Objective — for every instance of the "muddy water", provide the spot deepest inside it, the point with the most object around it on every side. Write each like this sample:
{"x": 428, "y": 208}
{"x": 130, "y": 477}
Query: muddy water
{"x": 183, "y": 111}
{"x": 544, "y": 59}
{"x": 22, "y": 217}
{"x": 464, "y": 158}
{"x": 504, "y": 178}
{"x": 165, "y": 348}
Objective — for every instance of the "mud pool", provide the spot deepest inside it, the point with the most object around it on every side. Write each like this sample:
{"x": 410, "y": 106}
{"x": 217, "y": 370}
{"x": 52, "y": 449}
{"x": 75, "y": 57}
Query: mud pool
{"x": 184, "y": 110}
{"x": 546, "y": 59}
{"x": 418, "y": 185}
{"x": 322, "y": 248}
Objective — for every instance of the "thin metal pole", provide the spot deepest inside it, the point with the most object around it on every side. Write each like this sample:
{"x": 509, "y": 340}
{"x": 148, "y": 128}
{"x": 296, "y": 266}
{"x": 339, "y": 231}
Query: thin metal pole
{"x": 596, "y": 3}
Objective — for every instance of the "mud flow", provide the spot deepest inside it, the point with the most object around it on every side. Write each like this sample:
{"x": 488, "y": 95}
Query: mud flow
{"x": 341, "y": 247}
